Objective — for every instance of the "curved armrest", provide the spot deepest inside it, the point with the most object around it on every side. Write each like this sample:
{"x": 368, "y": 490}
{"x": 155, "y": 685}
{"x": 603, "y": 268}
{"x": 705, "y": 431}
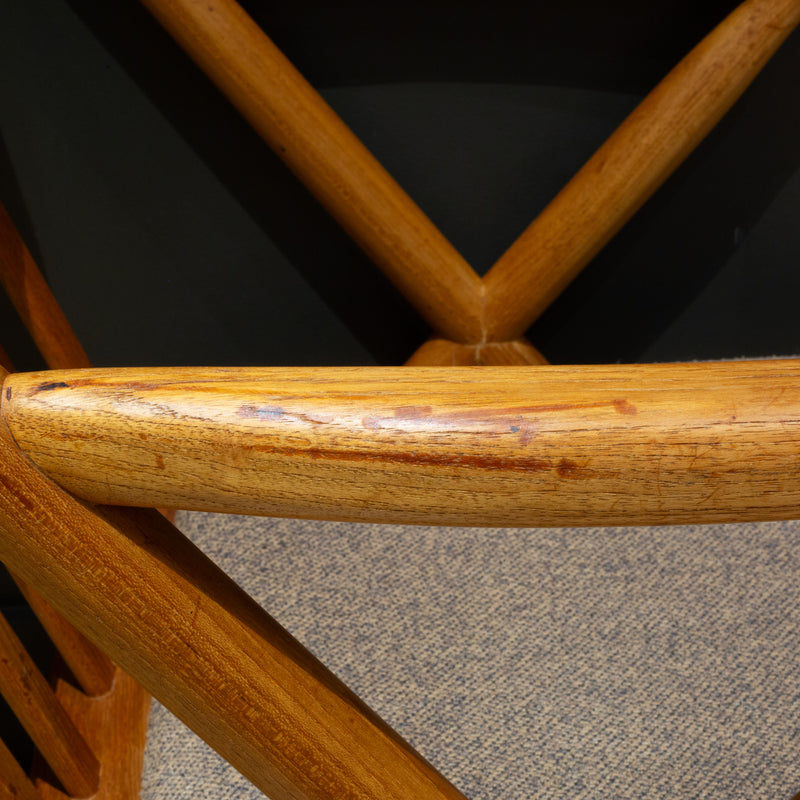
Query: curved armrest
{"x": 518, "y": 446}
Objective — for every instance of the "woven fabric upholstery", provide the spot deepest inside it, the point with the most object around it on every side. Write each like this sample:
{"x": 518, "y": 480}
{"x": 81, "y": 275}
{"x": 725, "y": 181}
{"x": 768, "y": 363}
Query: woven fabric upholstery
{"x": 617, "y": 663}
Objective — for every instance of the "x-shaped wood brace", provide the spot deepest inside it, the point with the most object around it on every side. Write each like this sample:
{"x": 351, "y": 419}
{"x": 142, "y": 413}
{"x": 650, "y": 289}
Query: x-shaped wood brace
{"x": 476, "y": 321}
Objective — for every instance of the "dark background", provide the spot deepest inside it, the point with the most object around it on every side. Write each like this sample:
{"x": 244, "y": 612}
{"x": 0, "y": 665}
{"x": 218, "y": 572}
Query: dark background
{"x": 172, "y": 236}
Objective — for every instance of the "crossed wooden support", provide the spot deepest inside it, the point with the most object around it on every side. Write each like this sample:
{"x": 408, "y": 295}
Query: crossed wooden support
{"x": 476, "y": 321}
{"x": 138, "y": 590}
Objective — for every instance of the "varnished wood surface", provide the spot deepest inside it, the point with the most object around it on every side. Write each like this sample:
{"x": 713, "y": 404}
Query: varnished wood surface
{"x": 138, "y": 588}
{"x": 632, "y": 164}
{"x": 35, "y": 303}
{"x": 92, "y": 669}
{"x": 35, "y": 705}
{"x": 115, "y": 726}
{"x": 535, "y": 446}
{"x": 322, "y": 151}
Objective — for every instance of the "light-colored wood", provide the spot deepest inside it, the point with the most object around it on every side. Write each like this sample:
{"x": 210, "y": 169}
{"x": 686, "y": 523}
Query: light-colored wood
{"x": 324, "y": 153}
{"x": 35, "y": 303}
{"x": 632, "y": 164}
{"x": 92, "y": 669}
{"x": 115, "y": 726}
{"x": 138, "y": 588}
{"x": 35, "y": 705}
{"x": 14, "y": 783}
{"x": 538, "y": 446}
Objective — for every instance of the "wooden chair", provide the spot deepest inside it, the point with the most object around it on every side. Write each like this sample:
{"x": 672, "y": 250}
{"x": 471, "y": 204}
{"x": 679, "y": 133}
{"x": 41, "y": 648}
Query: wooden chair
{"x": 87, "y": 453}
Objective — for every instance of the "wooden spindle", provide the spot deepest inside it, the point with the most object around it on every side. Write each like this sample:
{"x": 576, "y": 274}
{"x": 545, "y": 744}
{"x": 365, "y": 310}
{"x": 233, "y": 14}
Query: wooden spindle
{"x": 35, "y": 705}
{"x": 638, "y": 157}
{"x": 330, "y": 160}
{"x": 546, "y": 445}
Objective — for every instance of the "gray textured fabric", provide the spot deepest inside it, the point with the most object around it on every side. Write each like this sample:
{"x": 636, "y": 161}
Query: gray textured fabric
{"x": 615, "y": 663}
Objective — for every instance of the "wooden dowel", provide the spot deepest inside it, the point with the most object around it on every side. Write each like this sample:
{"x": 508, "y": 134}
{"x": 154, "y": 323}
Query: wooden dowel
{"x": 35, "y": 705}
{"x": 5, "y": 361}
{"x": 330, "y": 160}
{"x": 507, "y": 354}
{"x": 442, "y": 353}
{"x": 536, "y": 446}
{"x": 139, "y": 589}
{"x": 92, "y": 669}
{"x": 14, "y": 783}
{"x": 632, "y": 164}
{"x": 35, "y": 303}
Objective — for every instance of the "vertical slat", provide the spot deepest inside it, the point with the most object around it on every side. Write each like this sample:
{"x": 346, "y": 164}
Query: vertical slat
{"x": 330, "y": 160}
{"x": 632, "y": 164}
{"x": 35, "y": 705}
{"x": 129, "y": 580}
{"x": 92, "y": 669}
{"x": 35, "y": 303}
{"x": 14, "y": 782}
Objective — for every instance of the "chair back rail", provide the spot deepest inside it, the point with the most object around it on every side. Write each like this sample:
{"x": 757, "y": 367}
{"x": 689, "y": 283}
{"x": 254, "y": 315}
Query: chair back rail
{"x": 591, "y": 445}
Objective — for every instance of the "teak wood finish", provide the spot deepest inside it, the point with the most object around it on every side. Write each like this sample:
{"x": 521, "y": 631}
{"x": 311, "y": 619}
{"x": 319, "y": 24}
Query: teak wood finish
{"x": 593, "y": 445}
{"x": 538, "y": 445}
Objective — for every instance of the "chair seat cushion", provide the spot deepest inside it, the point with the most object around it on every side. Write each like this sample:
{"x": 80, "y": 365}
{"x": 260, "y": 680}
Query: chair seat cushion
{"x": 566, "y": 663}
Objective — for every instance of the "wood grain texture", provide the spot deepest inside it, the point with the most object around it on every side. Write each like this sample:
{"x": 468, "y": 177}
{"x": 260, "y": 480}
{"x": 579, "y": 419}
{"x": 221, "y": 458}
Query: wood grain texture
{"x": 329, "y": 159}
{"x": 35, "y": 705}
{"x": 535, "y": 446}
{"x": 92, "y": 669}
{"x": 35, "y": 303}
{"x": 632, "y": 164}
{"x": 14, "y": 783}
{"x": 115, "y": 726}
{"x": 139, "y": 589}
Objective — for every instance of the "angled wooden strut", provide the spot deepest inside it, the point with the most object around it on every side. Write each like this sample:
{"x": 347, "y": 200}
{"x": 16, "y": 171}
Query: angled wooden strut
{"x": 638, "y": 157}
{"x": 138, "y": 588}
{"x": 333, "y": 164}
{"x": 602, "y": 445}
